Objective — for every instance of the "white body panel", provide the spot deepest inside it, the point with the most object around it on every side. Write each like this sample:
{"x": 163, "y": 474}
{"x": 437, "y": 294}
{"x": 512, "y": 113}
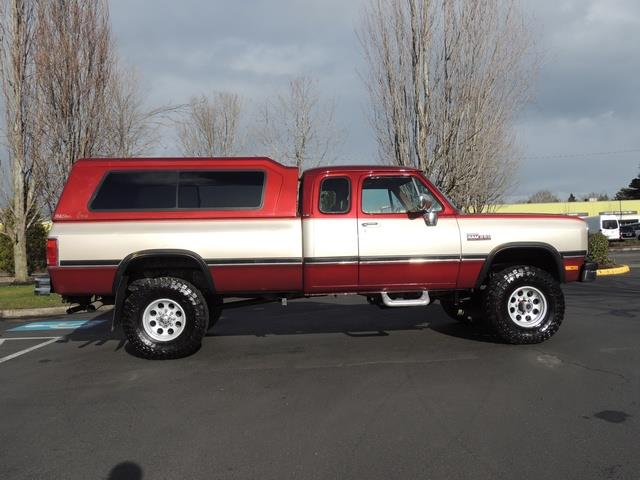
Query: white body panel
{"x": 211, "y": 239}
{"x": 330, "y": 238}
{"x": 565, "y": 235}
{"x": 403, "y": 237}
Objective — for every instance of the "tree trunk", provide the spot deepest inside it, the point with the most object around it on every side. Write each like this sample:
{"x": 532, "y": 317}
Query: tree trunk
{"x": 19, "y": 213}
{"x": 20, "y": 258}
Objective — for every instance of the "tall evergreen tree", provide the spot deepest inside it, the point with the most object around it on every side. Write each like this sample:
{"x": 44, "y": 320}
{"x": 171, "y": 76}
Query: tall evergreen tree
{"x": 632, "y": 192}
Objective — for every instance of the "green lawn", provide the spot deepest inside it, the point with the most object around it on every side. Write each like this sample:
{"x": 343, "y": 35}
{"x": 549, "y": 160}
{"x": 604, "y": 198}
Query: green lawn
{"x": 21, "y": 296}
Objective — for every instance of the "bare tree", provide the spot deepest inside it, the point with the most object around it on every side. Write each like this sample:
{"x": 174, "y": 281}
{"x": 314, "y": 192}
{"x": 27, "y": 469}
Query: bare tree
{"x": 297, "y": 128}
{"x": 211, "y": 126}
{"x": 74, "y": 67}
{"x": 446, "y": 79}
{"x": 17, "y": 21}
{"x": 131, "y": 129}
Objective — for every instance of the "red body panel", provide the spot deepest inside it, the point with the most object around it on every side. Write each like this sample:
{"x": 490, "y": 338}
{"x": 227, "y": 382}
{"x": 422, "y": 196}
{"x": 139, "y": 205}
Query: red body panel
{"x": 403, "y": 275}
{"x": 329, "y": 278}
{"x": 256, "y": 278}
{"x": 469, "y": 273}
{"x": 572, "y": 273}
{"x": 83, "y": 280}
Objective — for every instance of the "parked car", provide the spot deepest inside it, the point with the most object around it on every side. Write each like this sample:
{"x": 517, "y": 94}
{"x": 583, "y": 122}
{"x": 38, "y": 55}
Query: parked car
{"x": 630, "y": 231}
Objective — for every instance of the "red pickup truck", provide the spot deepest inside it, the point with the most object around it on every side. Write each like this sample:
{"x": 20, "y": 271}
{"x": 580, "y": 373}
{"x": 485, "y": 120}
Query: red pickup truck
{"x": 171, "y": 241}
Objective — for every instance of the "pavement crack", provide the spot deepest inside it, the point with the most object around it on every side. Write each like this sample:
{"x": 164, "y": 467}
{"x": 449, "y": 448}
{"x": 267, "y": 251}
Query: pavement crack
{"x": 584, "y": 366}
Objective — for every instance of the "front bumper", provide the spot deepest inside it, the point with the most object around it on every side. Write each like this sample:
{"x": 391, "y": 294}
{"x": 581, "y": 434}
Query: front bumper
{"x": 589, "y": 272}
{"x": 43, "y": 286}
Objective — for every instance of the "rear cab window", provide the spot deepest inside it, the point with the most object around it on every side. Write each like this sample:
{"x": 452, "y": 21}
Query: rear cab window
{"x": 335, "y": 195}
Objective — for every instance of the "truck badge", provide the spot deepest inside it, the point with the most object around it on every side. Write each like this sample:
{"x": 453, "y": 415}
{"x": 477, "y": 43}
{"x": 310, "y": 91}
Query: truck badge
{"x": 473, "y": 237}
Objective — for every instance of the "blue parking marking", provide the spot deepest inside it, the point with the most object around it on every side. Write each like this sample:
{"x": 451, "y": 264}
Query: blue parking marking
{"x": 57, "y": 325}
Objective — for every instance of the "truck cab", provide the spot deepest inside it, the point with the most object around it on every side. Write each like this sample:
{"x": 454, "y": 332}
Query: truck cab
{"x": 363, "y": 230}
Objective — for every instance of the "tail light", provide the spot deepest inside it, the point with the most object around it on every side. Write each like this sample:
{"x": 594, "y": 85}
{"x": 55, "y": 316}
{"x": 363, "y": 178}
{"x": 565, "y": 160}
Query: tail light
{"x": 52, "y": 252}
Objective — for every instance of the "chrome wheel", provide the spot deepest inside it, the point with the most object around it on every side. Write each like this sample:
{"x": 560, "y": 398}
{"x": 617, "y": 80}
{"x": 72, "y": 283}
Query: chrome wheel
{"x": 527, "y": 307}
{"x": 163, "y": 320}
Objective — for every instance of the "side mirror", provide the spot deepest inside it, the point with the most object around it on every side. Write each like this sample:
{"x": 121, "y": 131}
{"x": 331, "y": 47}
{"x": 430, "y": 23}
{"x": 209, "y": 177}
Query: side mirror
{"x": 431, "y": 219}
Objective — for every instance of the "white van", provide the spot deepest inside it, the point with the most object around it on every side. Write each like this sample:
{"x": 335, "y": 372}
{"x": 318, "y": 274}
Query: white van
{"x": 607, "y": 224}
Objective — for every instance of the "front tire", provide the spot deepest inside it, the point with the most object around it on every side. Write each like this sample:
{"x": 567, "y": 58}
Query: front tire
{"x": 524, "y": 305}
{"x": 164, "y": 317}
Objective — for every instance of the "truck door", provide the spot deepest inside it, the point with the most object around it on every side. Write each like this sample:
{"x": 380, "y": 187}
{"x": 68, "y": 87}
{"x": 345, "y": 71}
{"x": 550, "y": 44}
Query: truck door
{"x": 398, "y": 250}
{"x": 330, "y": 235}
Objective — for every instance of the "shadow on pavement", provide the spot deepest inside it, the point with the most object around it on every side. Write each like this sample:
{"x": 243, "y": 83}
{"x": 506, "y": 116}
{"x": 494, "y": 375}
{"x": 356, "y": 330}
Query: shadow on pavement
{"x": 305, "y": 317}
{"x": 125, "y": 471}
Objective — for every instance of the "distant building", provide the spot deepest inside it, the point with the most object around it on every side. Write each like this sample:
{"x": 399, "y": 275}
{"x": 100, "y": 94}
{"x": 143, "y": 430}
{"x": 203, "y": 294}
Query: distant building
{"x": 583, "y": 209}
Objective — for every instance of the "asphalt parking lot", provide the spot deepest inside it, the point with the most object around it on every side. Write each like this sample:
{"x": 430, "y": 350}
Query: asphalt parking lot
{"x": 330, "y": 388}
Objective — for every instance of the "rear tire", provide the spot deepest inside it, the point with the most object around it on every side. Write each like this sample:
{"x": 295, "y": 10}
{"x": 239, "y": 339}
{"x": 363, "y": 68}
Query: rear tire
{"x": 164, "y": 317}
{"x": 524, "y": 305}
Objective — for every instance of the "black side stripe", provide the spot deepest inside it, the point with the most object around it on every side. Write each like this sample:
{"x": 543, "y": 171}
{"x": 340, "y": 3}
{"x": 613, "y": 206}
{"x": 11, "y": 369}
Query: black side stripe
{"x": 407, "y": 258}
{"x": 251, "y": 261}
{"x": 290, "y": 261}
{"x": 330, "y": 259}
{"x": 89, "y": 263}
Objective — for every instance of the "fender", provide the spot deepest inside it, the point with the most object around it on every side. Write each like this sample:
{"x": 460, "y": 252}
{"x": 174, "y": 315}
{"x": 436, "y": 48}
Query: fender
{"x": 120, "y": 281}
{"x": 557, "y": 257}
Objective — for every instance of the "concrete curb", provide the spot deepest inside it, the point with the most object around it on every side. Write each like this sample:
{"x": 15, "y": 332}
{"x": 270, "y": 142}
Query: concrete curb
{"x": 32, "y": 312}
{"x": 624, "y": 249}
{"x": 613, "y": 271}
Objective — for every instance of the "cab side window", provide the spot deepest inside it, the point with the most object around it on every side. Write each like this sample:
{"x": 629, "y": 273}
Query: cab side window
{"x": 394, "y": 195}
{"x": 335, "y": 195}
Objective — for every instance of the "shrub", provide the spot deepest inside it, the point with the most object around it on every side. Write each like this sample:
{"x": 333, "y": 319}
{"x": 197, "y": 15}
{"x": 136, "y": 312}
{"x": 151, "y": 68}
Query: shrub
{"x": 36, "y": 249}
{"x": 599, "y": 249}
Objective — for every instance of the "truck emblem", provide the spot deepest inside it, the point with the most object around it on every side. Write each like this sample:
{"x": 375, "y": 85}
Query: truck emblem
{"x": 472, "y": 237}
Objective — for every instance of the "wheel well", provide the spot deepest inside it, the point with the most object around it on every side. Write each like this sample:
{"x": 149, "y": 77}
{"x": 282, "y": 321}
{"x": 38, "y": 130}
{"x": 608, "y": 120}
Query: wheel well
{"x": 182, "y": 264}
{"x": 185, "y": 268}
{"x": 542, "y": 258}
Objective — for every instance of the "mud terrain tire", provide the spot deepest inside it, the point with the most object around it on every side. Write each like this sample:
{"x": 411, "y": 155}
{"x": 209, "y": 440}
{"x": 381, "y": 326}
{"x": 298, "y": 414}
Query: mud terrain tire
{"x": 193, "y": 319}
{"x": 524, "y": 305}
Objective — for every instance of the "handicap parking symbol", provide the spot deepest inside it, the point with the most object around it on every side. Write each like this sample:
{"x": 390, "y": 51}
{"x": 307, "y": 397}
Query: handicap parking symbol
{"x": 56, "y": 325}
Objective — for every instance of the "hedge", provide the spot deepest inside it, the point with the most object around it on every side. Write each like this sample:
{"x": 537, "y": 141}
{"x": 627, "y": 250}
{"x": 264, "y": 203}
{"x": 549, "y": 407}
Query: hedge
{"x": 599, "y": 249}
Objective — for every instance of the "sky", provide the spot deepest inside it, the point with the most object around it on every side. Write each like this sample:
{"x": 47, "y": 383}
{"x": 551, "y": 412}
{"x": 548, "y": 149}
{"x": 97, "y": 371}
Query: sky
{"x": 579, "y": 134}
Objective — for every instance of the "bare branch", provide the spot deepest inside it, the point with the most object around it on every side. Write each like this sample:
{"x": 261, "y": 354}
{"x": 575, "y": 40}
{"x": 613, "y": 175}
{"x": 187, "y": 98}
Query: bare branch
{"x": 131, "y": 129}
{"x": 446, "y": 79}
{"x": 210, "y": 127}
{"x": 297, "y": 128}
{"x": 17, "y": 23}
{"x": 74, "y": 68}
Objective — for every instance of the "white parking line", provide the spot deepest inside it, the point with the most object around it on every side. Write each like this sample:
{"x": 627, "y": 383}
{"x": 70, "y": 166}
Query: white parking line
{"x": 30, "y": 349}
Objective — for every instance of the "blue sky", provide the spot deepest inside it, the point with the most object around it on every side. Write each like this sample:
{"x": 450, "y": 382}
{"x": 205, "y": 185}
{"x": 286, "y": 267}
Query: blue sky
{"x": 586, "y": 102}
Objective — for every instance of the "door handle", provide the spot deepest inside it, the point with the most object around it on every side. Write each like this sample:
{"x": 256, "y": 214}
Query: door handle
{"x": 370, "y": 224}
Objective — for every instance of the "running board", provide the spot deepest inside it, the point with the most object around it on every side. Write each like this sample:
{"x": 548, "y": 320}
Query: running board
{"x": 402, "y": 302}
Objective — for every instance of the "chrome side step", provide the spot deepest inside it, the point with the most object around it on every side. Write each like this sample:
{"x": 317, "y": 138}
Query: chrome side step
{"x": 421, "y": 301}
